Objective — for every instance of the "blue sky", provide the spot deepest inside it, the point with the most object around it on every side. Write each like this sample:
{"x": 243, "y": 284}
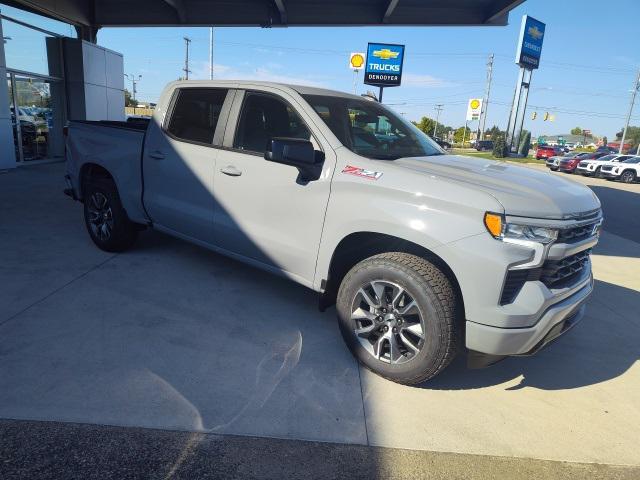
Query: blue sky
{"x": 590, "y": 58}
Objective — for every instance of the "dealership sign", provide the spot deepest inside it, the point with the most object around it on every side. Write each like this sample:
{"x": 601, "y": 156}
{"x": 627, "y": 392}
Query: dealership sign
{"x": 530, "y": 43}
{"x": 384, "y": 65}
{"x": 474, "y": 108}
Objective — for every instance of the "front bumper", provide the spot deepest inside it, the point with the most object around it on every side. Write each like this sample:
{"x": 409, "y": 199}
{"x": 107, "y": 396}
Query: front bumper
{"x": 609, "y": 174}
{"x": 555, "y": 321}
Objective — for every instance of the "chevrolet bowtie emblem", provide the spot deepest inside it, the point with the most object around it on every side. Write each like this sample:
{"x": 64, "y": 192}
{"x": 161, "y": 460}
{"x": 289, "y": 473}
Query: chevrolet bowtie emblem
{"x": 535, "y": 33}
{"x": 385, "y": 54}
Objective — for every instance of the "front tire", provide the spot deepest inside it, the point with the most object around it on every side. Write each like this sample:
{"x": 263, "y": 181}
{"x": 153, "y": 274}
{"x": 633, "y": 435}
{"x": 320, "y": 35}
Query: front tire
{"x": 106, "y": 220}
{"x": 397, "y": 313}
{"x": 628, "y": 176}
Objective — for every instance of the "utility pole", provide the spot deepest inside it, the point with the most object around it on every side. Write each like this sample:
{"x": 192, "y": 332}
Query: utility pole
{"x": 633, "y": 100}
{"x": 485, "y": 101}
{"x": 438, "y": 108}
{"x": 186, "y": 70}
{"x": 134, "y": 82}
{"x": 210, "y": 53}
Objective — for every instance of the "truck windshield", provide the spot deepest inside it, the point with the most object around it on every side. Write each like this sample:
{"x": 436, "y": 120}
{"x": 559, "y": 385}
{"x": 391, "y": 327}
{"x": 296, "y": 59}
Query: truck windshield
{"x": 369, "y": 129}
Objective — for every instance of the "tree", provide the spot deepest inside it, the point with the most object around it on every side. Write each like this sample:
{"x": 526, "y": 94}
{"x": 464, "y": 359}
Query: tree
{"x": 493, "y": 133}
{"x": 128, "y": 101}
{"x": 633, "y": 136}
{"x": 576, "y": 131}
{"x": 500, "y": 147}
{"x": 426, "y": 124}
{"x": 460, "y": 134}
{"x": 525, "y": 144}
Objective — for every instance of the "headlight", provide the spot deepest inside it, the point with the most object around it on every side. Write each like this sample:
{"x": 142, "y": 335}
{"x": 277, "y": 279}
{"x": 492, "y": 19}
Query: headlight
{"x": 500, "y": 229}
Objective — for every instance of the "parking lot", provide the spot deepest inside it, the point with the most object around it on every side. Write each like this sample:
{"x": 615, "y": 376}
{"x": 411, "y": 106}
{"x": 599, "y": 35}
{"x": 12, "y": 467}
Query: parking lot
{"x": 172, "y": 336}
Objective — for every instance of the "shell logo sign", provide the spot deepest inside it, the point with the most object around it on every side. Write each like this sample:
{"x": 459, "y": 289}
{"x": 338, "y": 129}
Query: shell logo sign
{"x": 356, "y": 60}
{"x": 474, "y": 109}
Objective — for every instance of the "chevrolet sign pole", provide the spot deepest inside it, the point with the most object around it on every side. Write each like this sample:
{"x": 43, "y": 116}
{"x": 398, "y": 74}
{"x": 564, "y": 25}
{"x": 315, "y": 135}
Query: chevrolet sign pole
{"x": 528, "y": 58}
{"x": 384, "y": 66}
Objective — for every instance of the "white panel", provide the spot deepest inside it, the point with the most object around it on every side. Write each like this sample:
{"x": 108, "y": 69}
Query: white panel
{"x": 115, "y": 104}
{"x": 96, "y": 102}
{"x": 93, "y": 58}
{"x": 114, "y": 70}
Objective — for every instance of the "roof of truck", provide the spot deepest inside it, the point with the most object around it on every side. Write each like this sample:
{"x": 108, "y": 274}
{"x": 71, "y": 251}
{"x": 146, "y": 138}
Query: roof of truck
{"x": 301, "y": 89}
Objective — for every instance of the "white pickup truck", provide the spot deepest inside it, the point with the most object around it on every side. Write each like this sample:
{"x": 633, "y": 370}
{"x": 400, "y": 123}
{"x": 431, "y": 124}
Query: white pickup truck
{"x": 425, "y": 254}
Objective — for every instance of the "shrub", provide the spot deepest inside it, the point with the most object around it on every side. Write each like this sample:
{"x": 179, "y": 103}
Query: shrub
{"x": 500, "y": 147}
{"x": 525, "y": 145}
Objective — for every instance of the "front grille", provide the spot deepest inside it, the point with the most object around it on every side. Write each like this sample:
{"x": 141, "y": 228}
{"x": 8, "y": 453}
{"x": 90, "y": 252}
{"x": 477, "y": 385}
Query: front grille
{"x": 514, "y": 282}
{"x": 561, "y": 273}
{"x": 576, "y": 233}
{"x": 583, "y": 164}
{"x": 607, "y": 169}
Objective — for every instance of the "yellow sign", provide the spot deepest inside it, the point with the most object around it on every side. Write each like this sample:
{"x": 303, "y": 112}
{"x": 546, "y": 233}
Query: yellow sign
{"x": 474, "y": 108}
{"x": 385, "y": 54}
{"x": 356, "y": 60}
{"x": 475, "y": 103}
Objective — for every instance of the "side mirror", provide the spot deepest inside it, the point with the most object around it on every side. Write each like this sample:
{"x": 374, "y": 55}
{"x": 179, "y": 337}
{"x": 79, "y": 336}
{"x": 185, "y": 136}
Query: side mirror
{"x": 297, "y": 153}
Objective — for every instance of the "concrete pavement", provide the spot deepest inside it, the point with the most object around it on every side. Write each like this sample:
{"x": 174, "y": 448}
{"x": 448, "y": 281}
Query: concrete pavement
{"x": 172, "y": 336}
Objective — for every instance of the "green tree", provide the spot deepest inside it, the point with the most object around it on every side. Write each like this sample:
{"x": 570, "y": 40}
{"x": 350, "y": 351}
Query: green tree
{"x": 525, "y": 144}
{"x": 460, "y": 133}
{"x": 576, "y": 131}
{"x": 493, "y": 133}
{"x": 633, "y": 136}
{"x": 128, "y": 101}
{"x": 500, "y": 147}
{"x": 426, "y": 124}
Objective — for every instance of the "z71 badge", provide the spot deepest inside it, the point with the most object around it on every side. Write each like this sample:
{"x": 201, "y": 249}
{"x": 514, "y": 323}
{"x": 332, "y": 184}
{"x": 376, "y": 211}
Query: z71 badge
{"x": 361, "y": 172}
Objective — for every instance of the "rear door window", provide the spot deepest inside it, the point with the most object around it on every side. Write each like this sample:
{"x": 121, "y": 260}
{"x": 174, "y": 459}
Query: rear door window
{"x": 195, "y": 114}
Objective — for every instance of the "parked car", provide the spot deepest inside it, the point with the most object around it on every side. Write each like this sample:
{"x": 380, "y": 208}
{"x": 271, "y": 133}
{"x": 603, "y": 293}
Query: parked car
{"x": 546, "y": 151}
{"x": 553, "y": 162}
{"x": 424, "y": 253}
{"x": 569, "y": 165}
{"x": 483, "y": 145}
{"x": 442, "y": 143}
{"x": 627, "y": 171}
{"x": 592, "y": 166}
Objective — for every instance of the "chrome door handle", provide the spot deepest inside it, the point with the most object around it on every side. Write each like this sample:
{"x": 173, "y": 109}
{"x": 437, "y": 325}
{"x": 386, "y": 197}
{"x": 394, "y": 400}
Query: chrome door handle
{"x": 158, "y": 155}
{"x": 231, "y": 171}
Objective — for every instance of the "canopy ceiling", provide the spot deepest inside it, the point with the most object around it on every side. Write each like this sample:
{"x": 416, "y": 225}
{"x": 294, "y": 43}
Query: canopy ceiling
{"x": 271, "y": 13}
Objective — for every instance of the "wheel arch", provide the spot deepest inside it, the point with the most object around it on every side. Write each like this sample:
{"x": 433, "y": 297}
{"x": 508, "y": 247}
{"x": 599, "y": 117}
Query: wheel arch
{"x": 358, "y": 246}
{"x": 91, "y": 171}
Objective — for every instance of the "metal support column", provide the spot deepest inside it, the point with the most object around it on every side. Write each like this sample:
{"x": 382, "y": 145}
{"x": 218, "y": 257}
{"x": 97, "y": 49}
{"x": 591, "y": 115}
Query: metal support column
{"x": 7, "y": 149}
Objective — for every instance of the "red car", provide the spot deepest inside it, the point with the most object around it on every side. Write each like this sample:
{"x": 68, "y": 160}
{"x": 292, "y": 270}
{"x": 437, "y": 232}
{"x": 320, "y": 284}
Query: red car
{"x": 570, "y": 164}
{"x": 547, "y": 151}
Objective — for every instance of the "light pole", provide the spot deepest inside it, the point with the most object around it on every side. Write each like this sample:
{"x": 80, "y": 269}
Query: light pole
{"x": 438, "y": 108}
{"x": 134, "y": 82}
{"x": 633, "y": 100}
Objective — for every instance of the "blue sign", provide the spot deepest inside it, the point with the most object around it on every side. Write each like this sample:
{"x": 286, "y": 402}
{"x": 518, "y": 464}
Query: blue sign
{"x": 530, "y": 43}
{"x": 384, "y": 65}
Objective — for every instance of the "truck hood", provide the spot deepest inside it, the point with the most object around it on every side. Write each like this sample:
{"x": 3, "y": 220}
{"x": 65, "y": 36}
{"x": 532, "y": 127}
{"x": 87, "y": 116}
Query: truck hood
{"x": 522, "y": 191}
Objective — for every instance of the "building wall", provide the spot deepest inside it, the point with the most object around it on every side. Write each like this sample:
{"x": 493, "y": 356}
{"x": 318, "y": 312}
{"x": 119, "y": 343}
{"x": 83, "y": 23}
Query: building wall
{"x": 95, "y": 81}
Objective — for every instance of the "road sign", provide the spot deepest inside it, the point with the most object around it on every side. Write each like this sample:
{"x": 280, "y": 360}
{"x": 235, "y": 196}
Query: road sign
{"x": 530, "y": 43}
{"x": 356, "y": 60}
{"x": 384, "y": 65}
{"x": 542, "y": 140}
{"x": 561, "y": 141}
{"x": 474, "y": 108}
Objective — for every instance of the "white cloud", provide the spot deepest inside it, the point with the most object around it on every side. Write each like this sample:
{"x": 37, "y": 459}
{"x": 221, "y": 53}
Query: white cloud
{"x": 264, "y": 73}
{"x": 423, "y": 80}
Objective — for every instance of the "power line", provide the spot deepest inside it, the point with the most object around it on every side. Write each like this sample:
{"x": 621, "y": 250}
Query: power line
{"x": 186, "y": 70}
{"x": 485, "y": 103}
{"x": 438, "y": 109}
{"x": 633, "y": 100}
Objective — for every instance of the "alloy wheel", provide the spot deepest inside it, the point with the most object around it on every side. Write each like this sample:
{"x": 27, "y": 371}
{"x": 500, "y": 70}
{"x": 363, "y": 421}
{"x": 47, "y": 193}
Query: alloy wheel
{"x": 387, "y": 322}
{"x": 100, "y": 216}
{"x": 627, "y": 177}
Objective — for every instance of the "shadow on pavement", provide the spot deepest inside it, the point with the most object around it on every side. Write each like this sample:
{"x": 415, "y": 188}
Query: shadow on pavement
{"x": 603, "y": 346}
{"x": 621, "y": 210}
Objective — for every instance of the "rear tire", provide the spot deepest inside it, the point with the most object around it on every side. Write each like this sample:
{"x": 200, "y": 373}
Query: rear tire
{"x": 414, "y": 301}
{"x": 554, "y": 169}
{"x": 106, "y": 220}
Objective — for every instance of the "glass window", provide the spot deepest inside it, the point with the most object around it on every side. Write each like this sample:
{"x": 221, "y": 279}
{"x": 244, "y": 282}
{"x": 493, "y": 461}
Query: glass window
{"x": 370, "y": 129}
{"x": 632, "y": 160}
{"x": 196, "y": 112}
{"x": 265, "y": 117}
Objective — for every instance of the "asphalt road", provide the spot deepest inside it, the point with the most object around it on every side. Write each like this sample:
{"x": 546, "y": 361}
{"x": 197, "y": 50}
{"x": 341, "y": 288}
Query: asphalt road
{"x": 51, "y": 450}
